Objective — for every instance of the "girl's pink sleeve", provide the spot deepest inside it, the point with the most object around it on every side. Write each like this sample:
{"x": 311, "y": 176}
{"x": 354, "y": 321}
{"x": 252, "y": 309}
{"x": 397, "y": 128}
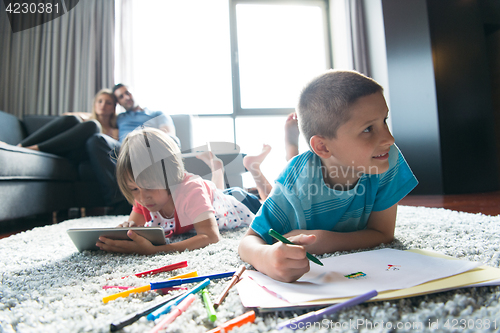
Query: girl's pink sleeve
{"x": 195, "y": 199}
{"x": 141, "y": 210}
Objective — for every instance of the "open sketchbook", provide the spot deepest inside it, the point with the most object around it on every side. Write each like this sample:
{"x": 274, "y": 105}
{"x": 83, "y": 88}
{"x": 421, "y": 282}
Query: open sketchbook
{"x": 403, "y": 274}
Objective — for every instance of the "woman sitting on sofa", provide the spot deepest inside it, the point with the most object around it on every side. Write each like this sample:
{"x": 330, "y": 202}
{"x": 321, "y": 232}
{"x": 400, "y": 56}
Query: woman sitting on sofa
{"x": 66, "y": 136}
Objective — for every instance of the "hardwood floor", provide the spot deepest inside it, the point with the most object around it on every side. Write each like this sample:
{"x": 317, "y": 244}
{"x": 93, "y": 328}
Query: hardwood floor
{"x": 485, "y": 203}
{"x": 11, "y": 227}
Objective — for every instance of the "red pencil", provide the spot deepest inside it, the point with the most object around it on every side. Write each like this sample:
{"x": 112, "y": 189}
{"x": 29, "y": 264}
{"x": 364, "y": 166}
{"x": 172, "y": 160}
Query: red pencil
{"x": 167, "y": 268}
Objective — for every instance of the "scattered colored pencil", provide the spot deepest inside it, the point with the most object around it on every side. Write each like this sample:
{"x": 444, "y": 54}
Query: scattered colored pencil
{"x": 245, "y": 318}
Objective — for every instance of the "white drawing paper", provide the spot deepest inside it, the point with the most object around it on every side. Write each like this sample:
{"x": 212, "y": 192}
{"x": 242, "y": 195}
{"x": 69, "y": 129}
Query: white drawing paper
{"x": 357, "y": 273}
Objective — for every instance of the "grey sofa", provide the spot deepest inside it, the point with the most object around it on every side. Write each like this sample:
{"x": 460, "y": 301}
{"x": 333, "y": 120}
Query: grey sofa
{"x": 34, "y": 182}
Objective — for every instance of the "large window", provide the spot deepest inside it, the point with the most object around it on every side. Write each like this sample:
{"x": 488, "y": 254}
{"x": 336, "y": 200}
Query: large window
{"x": 276, "y": 48}
{"x": 238, "y": 64}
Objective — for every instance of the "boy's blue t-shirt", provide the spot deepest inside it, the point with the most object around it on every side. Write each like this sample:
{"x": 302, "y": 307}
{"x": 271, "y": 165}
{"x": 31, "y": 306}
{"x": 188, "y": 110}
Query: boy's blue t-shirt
{"x": 300, "y": 198}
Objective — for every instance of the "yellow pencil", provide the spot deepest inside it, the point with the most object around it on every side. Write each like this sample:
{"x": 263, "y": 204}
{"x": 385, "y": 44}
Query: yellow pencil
{"x": 145, "y": 288}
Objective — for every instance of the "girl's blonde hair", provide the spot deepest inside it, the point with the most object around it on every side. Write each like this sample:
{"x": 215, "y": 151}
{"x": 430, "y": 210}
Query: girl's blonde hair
{"x": 112, "y": 120}
{"x": 150, "y": 158}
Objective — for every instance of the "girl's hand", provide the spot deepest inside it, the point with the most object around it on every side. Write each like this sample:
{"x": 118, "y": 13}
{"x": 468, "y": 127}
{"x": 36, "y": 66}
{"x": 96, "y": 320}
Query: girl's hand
{"x": 137, "y": 244}
{"x": 127, "y": 224}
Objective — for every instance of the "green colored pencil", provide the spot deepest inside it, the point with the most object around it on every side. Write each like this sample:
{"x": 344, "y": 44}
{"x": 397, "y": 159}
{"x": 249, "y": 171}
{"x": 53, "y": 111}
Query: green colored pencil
{"x": 212, "y": 316}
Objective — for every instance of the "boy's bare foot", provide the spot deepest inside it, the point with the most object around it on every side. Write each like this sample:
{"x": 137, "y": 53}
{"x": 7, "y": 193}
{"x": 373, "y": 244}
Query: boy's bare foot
{"x": 216, "y": 167}
{"x": 252, "y": 162}
{"x": 213, "y": 162}
{"x": 291, "y": 136}
{"x": 292, "y": 130}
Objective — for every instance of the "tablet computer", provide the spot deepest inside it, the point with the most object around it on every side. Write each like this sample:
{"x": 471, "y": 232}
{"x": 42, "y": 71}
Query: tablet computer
{"x": 86, "y": 238}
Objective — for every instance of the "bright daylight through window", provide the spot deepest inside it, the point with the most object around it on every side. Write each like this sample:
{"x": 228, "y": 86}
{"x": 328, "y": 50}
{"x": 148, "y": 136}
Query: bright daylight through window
{"x": 279, "y": 48}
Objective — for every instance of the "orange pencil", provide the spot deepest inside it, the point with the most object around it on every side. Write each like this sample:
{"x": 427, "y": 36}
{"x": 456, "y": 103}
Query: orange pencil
{"x": 245, "y": 318}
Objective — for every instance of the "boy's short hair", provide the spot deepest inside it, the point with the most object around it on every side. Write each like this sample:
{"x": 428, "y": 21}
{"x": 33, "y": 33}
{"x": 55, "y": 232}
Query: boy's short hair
{"x": 150, "y": 158}
{"x": 324, "y": 102}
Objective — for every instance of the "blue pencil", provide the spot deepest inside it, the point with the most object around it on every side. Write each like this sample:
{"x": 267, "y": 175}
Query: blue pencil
{"x": 177, "y": 282}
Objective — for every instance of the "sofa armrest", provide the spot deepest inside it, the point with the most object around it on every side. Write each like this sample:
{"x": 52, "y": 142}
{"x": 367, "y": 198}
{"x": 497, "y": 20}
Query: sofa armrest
{"x": 184, "y": 130}
{"x": 12, "y": 130}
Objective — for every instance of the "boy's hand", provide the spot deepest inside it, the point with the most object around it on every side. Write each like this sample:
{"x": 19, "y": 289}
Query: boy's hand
{"x": 137, "y": 244}
{"x": 127, "y": 224}
{"x": 282, "y": 262}
{"x": 286, "y": 262}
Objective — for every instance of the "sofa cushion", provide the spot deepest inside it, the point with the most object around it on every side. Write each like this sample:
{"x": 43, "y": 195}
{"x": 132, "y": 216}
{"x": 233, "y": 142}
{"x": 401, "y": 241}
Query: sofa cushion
{"x": 34, "y": 122}
{"x": 21, "y": 163}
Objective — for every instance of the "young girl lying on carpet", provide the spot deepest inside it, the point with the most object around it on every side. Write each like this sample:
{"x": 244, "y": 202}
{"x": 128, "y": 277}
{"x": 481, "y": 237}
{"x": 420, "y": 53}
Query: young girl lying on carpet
{"x": 151, "y": 175}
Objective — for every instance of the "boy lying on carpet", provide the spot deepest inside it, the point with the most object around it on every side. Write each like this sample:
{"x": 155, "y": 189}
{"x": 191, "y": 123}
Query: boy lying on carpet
{"x": 343, "y": 193}
{"x": 151, "y": 175}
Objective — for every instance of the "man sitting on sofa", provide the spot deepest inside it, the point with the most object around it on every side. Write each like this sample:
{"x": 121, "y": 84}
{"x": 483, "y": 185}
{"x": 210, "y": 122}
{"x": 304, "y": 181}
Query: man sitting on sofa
{"x": 103, "y": 150}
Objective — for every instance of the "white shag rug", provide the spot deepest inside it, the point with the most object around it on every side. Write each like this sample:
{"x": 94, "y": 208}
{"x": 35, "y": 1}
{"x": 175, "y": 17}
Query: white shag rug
{"x": 47, "y": 286}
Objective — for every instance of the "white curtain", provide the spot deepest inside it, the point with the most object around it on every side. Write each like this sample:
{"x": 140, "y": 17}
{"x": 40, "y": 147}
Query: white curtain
{"x": 349, "y": 35}
{"x": 58, "y": 66}
{"x": 124, "y": 52}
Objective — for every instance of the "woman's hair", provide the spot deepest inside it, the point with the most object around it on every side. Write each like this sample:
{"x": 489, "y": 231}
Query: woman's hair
{"x": 325, "y": 101}
{"x": 112, "y": 120}
{"x": 150, "y": 158}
